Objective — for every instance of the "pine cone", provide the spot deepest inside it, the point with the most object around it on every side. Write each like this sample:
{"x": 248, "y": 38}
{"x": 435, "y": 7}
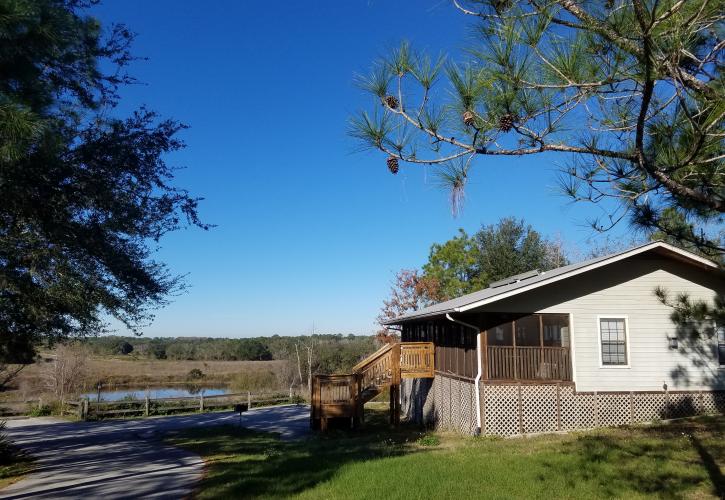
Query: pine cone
{"x": 392, "y": 162}
{"x": 469, "y": 118}
{"x": 391, "y": 101}
{"x": 501, "y": 6}
{"x": 506, "y": 122}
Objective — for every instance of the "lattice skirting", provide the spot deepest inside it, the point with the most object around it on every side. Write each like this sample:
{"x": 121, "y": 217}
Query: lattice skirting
{"x": 507, "y": 409}
{"x": 442, "y": 403}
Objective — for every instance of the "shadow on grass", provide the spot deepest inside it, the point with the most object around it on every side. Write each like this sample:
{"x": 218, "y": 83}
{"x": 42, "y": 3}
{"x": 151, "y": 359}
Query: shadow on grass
{"x": 14, "y": 464}
{"x": 244, "y": 463}
{"x": 665, "y": 460}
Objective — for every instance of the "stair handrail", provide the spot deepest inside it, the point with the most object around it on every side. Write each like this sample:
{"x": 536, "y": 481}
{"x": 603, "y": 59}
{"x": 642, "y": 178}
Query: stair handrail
{"x": 372, "y": 358}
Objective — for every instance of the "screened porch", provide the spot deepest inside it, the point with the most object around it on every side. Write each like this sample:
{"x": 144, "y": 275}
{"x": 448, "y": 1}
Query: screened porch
{"x": 531, "y": 347}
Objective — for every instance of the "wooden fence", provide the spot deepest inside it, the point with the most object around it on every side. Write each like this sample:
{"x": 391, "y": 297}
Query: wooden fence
{"x": 86, "y": 409}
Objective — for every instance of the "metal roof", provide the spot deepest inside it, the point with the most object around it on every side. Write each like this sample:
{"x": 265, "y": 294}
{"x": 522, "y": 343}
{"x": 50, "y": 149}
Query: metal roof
{"x": 526, "y": 281}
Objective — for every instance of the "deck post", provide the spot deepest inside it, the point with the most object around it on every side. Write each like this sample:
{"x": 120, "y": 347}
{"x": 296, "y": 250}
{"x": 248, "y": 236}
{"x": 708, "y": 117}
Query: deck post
{"x": 249, "y": 400}
{"x": 395, "y": 385}
{"x": 201, "y": 403}
{"x": 146, "y": 406}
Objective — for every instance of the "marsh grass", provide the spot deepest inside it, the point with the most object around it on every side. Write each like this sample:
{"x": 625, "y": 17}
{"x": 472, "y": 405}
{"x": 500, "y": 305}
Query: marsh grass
{"x": 116, "y": 372}
{"x": 682, "y": 459}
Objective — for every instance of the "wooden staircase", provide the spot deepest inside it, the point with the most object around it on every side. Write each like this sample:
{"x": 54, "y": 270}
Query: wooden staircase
{"x": 344, "y": 396}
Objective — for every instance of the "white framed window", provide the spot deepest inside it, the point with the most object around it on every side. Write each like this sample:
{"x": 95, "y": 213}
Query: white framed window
{"x": 721, "y": 345}
{"x": 613, "y": 341}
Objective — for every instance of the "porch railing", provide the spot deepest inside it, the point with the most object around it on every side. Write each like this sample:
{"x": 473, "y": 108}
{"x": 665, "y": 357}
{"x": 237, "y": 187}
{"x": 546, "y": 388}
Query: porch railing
{"x": 528, "y": 363}
{"x": 417, "y": 359}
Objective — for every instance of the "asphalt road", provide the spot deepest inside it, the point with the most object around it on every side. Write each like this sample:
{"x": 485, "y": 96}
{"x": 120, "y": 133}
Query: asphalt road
{"x": 126, "y": 458}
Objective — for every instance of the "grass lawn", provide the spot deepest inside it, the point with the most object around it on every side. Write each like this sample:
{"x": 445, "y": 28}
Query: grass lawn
{"x": 682, "y": 459}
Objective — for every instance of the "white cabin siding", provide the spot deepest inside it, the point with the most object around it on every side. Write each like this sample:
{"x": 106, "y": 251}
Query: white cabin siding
{"x": 626, "y": 289}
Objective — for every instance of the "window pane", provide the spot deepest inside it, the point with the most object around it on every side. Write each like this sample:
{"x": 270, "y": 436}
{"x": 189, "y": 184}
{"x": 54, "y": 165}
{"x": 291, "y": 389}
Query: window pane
{"x": 613, "y": 339}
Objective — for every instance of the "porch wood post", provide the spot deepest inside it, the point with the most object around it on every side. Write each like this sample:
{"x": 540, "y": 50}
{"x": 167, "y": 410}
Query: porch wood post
{"x": 541, "y": 341}
{"x": 520, "y": 411}
{"x": 515, "y": 357}
{"x": 484, "y": 354}
{"x": 558, "y": 406}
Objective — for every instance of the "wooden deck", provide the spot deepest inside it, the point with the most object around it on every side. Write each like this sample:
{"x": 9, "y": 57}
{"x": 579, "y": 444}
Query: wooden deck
{"x": 336, "y": 396}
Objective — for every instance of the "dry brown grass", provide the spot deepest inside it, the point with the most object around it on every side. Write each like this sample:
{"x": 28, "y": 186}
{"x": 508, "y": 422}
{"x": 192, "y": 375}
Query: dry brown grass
{"x": 133, "y": 372}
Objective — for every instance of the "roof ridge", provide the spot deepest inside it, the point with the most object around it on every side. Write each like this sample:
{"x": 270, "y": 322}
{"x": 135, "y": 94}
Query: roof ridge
{"x": 467, "y": 300}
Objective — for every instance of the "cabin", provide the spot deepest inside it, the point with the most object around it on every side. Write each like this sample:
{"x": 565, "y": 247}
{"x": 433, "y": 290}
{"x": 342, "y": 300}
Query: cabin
{"x": 581, "y": 346}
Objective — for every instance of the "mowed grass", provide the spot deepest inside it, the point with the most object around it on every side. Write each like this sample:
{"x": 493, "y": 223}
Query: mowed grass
{"x": 682, "y": 459}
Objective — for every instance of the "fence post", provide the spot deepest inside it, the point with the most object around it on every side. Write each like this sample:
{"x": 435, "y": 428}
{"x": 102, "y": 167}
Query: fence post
{"x": 85, "y": 408}
{"x": 201, "y": 402}
{"x": 249, "y": 400}
{"x": 146, "y": 406}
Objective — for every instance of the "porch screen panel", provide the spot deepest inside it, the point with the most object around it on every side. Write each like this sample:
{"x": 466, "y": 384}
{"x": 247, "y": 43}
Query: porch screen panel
{"x": 555, "y": 330}
{"x": 613, "y": 333}
{"x": 527, "y": 331}
{"x": 500, "y": 335}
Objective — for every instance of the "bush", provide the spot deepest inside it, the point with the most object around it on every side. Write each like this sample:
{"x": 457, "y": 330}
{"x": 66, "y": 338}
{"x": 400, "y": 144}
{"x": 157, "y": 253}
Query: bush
{"x": 40, "y": 410}
{"x": 195, "y": 374}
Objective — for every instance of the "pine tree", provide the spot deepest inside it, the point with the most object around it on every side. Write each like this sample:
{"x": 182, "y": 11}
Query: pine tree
{"x": 629, "y": 92}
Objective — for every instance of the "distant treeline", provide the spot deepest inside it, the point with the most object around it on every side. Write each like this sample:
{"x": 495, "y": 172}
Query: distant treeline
{"x": 330, "y": 351}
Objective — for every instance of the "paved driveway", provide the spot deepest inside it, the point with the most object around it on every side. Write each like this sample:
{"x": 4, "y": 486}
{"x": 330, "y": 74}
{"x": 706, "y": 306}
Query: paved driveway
{"x": 126, "y": 459}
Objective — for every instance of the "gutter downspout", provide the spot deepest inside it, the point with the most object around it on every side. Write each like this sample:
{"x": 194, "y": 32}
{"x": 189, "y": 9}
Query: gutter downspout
{"x": 480, "y": 371}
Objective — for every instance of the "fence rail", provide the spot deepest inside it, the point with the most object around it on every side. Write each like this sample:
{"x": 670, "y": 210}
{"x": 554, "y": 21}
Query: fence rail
{"x": 86, "y": 409}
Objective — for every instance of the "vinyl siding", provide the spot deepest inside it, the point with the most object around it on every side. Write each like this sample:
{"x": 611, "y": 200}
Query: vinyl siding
{"x": 626, "y": 289}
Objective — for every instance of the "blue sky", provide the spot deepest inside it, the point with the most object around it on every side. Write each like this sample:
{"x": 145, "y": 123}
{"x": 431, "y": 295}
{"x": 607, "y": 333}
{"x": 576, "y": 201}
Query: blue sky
{"x": 308, "y": 230}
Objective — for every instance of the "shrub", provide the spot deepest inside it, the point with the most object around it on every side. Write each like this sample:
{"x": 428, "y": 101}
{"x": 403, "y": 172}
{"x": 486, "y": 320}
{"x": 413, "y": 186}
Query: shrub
{"x": 195, "y": 374}
{"x": 40, "y": 411}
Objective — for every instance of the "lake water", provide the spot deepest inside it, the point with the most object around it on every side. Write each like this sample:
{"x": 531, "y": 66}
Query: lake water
{"x": 155, "y": 393}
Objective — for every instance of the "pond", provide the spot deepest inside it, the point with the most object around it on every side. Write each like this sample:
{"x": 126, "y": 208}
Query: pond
{"x": 155, "y": 393}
